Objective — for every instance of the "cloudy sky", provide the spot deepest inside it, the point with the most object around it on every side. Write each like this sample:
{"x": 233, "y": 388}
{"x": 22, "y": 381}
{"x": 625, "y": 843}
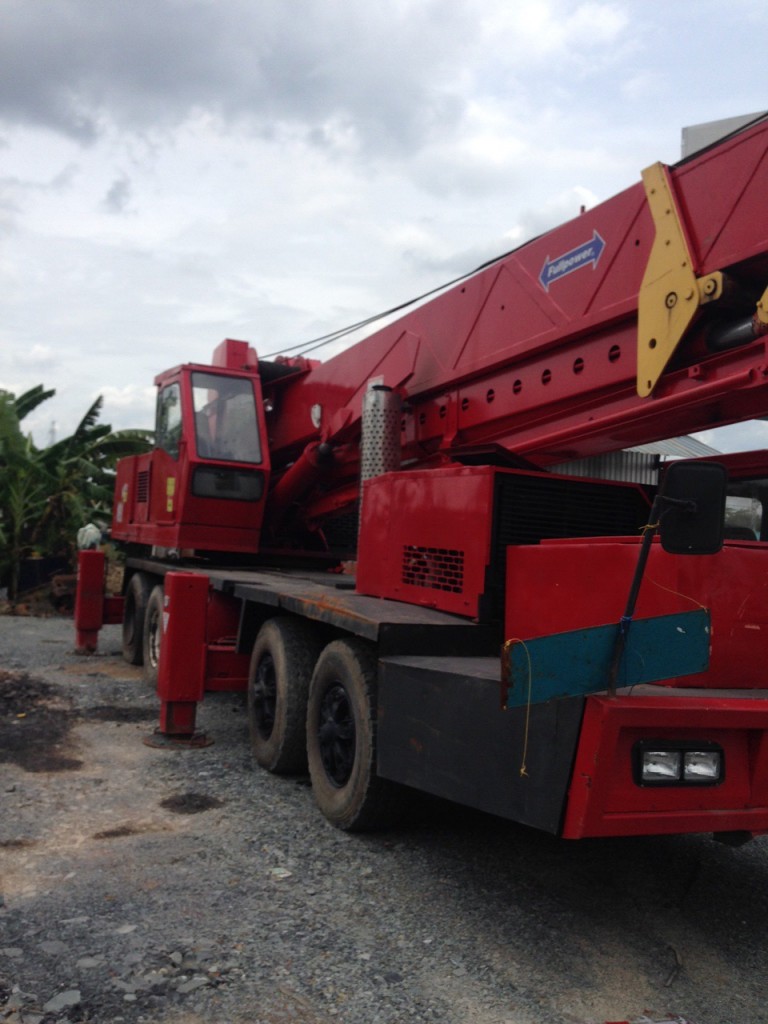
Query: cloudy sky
{"x": 173, "y": 172}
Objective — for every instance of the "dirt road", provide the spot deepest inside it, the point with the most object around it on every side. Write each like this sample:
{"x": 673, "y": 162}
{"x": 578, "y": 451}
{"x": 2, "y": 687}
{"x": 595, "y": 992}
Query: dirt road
{"x": 186, "y": 887}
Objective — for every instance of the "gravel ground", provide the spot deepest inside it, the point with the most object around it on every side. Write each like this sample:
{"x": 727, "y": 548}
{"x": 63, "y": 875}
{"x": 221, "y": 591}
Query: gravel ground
{"x": 184, "y": 886}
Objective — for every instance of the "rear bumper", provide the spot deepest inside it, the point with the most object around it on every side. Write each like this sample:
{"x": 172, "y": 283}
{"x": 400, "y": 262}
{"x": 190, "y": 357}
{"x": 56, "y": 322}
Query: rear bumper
{"x": 606, "y": 800}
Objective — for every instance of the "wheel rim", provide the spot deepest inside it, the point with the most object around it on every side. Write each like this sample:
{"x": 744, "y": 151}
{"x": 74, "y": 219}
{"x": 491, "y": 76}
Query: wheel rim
{"x": 336, "y": 735}
{"x": 154, "y": 639}
{"x": 264, "y": 696}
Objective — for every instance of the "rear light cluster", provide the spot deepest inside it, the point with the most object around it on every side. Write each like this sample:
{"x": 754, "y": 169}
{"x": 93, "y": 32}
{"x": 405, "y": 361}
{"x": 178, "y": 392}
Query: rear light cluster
{"x": 688, "y": 763}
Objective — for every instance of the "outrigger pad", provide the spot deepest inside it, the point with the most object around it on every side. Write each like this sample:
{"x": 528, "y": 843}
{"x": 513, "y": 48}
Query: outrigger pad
{"x": 166, "y": 741}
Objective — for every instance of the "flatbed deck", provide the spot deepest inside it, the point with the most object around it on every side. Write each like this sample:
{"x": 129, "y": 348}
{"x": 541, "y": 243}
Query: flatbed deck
{"x": 330, "y": 598}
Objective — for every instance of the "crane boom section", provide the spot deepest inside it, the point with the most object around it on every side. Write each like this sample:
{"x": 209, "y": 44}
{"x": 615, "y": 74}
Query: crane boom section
{"x": 538, "y": 352}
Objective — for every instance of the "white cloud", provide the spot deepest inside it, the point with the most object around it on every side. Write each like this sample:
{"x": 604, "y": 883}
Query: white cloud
{"x": 38, "y": 356}
{"x": 536, "y": 31}
{"x": 148, "y": 66}
{"x": 752, "y": 435}
{"x": 127, "y": 407}
{"x": 643, "y": 85}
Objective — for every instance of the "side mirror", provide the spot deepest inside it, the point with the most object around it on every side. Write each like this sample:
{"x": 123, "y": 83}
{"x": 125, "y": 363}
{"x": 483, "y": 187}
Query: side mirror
{"x": 690, "y": 512}
{"x": 691, "y": 505}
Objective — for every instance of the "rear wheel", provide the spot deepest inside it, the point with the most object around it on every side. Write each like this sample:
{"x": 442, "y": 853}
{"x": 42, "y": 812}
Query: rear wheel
{"x": 278, "y": 682}
{"x": 153, "y": 635}
{"x": 341, "y": 739}
{"x": 134, "y": 612}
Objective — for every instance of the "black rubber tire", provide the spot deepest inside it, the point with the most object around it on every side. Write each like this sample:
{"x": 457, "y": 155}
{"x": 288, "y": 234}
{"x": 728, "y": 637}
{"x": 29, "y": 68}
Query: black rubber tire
{"x": 341, "y": 740}
{"x": 134, "y": 613}
{"x": 153, "y": 635}
{"x": 283, "y": 658}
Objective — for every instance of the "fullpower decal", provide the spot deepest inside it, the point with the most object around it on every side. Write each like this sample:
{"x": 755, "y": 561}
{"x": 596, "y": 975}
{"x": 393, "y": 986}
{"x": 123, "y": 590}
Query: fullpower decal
{"x": 585, "y": 255}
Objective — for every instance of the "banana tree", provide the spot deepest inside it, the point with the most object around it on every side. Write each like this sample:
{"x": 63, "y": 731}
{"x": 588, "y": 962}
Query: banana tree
{"x": 47, "y": 494}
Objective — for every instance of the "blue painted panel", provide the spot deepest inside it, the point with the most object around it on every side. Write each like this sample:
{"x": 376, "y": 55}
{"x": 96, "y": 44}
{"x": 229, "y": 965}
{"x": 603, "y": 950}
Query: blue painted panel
{"x": 578, "y": 662}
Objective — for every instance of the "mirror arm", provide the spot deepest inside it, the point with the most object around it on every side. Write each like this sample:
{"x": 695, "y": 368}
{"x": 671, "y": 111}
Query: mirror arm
{"x": 649, "y": 532}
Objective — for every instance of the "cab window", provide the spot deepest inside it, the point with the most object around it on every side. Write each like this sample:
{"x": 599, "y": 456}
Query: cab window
{"x": 168, "y": 421}
{"x": 226, "y": 428}
{"x": 745, "y": 509}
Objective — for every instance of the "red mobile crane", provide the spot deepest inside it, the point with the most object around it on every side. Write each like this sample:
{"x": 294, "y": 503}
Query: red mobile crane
{"x": 482, "y": 651}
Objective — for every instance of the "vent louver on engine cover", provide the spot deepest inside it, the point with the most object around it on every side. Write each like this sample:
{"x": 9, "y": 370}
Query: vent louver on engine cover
{"x": 142, "y": 487}
{"x": 435, "y": 568}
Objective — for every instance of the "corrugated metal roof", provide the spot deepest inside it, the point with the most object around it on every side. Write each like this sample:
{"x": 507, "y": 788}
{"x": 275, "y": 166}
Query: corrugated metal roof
{"x": 639, "y": 464}
{"x": 676, "y": 448}
{"x": 629, "y": 467}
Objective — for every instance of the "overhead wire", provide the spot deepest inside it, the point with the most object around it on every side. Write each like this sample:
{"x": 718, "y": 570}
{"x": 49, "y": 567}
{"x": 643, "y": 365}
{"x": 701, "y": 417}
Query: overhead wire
{"x": 325, "y": 339}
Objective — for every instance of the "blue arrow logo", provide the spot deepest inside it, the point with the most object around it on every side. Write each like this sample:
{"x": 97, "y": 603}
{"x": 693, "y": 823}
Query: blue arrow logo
{"x": 584, "y": 255}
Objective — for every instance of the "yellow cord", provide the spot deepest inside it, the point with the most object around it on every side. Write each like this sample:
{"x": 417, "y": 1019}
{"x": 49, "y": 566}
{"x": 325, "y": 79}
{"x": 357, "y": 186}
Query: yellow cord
{"x": 507, "y": 645}
{"x": 676, "y": 593}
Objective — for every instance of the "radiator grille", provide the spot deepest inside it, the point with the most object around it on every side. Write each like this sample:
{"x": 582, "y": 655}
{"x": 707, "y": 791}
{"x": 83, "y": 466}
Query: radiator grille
{"x": 142, "y": 487}
{"x": 433, "y": 568}
{"x": 531, "y": 509}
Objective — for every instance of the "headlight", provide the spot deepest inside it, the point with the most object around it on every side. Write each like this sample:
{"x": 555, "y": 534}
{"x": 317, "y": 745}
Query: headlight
{"x": 661, "y": 765}
{"x": 683, "y": 763}
{"x": 702, "y": 765}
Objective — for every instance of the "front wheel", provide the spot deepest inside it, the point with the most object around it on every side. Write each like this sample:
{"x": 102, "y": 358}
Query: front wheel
{"x": 153, "y": 635}
{"x": 341, "y": 739}
{"x": 283, "y": 657}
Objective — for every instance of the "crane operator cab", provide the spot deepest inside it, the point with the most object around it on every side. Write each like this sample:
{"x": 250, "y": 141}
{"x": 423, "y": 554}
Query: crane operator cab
{"x": 203, "y": 486}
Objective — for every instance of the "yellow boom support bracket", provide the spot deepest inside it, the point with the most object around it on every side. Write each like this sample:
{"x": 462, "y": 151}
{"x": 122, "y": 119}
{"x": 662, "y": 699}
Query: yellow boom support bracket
{"x": 670, "y": 293}
{"x": 762, "y": 308}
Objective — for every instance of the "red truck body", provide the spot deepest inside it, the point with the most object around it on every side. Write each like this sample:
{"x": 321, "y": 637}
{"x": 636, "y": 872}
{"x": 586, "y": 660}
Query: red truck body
{"x": 467, "y": 654}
